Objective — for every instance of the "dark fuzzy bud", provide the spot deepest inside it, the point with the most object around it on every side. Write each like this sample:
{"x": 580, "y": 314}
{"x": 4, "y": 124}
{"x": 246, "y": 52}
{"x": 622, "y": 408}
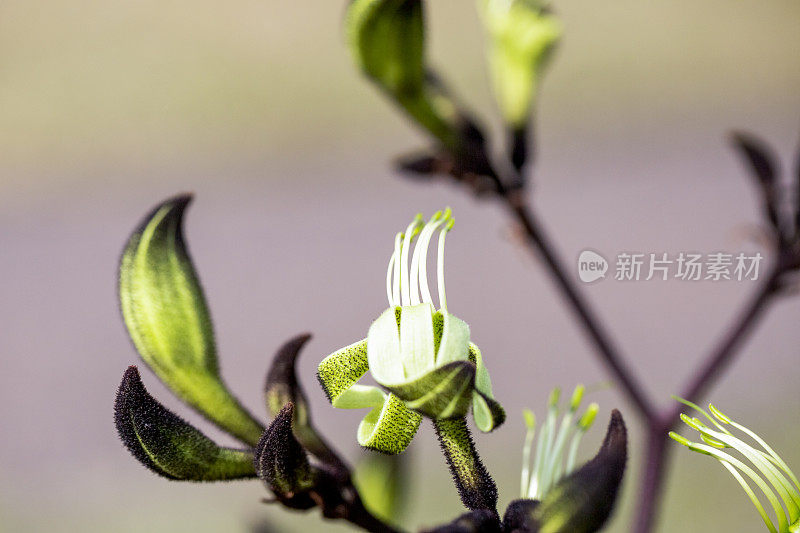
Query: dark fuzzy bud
{"x": 583, "y": 501}
{"x": 520, "y": 517}
{"x": 167, "y": 444}
{"x": 282, "y": 387}
{"x": 282, "y": 463}
{"x": 480, "y": 521}
{"x": 763, "y": 166}
{"x": 422, "y": 165}
{"x": 797, "y": 194}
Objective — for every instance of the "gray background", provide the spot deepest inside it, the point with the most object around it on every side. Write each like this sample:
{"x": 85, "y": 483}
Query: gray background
{"x": 107, "y": 107}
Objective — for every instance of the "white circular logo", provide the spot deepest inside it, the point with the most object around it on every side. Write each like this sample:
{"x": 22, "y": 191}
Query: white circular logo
{"x": 591, "y": 266}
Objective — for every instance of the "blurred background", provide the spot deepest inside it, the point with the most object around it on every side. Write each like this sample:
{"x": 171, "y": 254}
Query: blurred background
{"x": 107, "y": 107}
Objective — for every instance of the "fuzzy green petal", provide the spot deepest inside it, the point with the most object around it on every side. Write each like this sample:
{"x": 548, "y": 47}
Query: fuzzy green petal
{"x": 342, "y": 369}
{"x": 389, "y": 429}
{"x": 390, "y": 425}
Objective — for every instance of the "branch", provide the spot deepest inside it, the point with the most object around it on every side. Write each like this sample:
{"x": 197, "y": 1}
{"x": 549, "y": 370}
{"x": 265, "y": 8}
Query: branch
{"x": 609, "y": 354}
{"x": 722, "y": 356}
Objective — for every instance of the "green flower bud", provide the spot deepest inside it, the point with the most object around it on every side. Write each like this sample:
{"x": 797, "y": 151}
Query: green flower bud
{"x": 557, "y": 497}
{"x": 387, "y": 42}
{"x": 422, "y": 356}
{"x": 582, "y": 501}
{"x": 522, "y": 35}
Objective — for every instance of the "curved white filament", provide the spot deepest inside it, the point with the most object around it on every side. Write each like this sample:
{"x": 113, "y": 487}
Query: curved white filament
{"x": 411, "y": 232}
{"x": 389, "y": 270}
{"x": 397, "y": 267}
{"x": 408, "y": 284}
{"x": 419, "y": 261}
{"x": 440, "y": 264}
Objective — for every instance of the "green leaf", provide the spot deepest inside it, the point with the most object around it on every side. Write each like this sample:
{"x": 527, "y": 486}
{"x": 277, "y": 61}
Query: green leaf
{"x": 282, "y": 463}
{"x": 168, "y": 445}
{"x": 387, "y": 41}
{"x": 522, "y": 36}
{"x": 486, "y": 411}
{"x": 382, "y": 482}
{"x": 168, "y": 321}
{"x": 282, "y": 387}
{"x": 583, "y": 501}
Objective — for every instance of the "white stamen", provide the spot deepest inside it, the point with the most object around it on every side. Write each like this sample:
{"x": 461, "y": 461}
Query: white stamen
{"x": 440, "y": 266}
{"x": 416, "y": 268}
{"x": 411, "y": 232}
{"x": 397, "y": 267}
{"x": 389, "y": 281}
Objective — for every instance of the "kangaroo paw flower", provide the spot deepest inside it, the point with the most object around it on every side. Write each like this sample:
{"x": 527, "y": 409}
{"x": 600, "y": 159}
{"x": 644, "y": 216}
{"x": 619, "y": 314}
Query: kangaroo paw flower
{"x": 557, "y": 497}
{"x": 421, "y": 357}
{"x": 758, "y": 463}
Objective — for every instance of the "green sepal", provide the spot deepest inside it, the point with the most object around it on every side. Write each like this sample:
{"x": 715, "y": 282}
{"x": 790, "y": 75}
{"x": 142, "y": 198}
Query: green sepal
{"x": 582, "y": 501}
{"x": 282, "y": 463}
{"x": 522, "y": 35}
{"x": 486, "y": 411}
{"x": 282, "y": 387}
{"x": 165, "y": 312}
{"x": 168, "y": 445}
{"x": 444, "y": 392}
